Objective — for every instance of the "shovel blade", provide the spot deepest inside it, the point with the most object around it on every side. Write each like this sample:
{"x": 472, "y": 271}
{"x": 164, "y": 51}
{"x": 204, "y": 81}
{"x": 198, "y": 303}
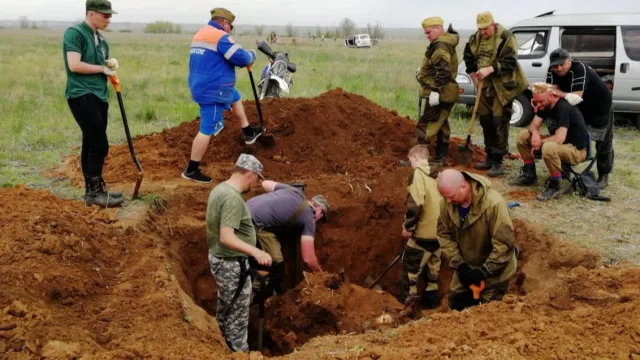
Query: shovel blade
{"x": 463, "y": 156}
{"x": 267, "y": 140}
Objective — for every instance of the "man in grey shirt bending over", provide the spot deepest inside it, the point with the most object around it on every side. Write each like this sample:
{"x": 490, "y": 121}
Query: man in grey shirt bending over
{"x": 284, "y": 206}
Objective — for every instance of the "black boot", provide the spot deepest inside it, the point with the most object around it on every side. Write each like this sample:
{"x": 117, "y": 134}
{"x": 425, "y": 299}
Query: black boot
{"x": 96, "y": 195}
{"x": 442, "y": 149}
{"x": 496, "y": 168}
{"x": 487, "y": 164}
{"x": 430, "y": 299}
{"x": 527, "y": 176}
{"x": 552, "y": 190}
{"x": 116, "y": 195}
{"x": 603, "y": 181}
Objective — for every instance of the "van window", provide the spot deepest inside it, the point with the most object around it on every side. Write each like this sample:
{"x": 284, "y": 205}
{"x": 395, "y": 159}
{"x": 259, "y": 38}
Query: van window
{"x": 532, "y": 44}
{"x": 589, "y": 42}
{"x": 631, "y": 40}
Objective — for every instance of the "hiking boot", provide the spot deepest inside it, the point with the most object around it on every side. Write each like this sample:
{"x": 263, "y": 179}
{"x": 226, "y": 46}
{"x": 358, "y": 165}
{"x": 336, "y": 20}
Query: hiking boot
{"x": 251, "y": 139}
{"x": 552, "y": 190}
{"x": 116, "y": 195}
{"x": 196, "y": 176}
{"x": 430, "y": 299}
{"x": 603, "y": 181}
{"x": 527, "y": 176}
{"x": 96, "y": 195}
{"x": 496, "y": 170}
{"x": 486, "y": 165}
{"x": 442, "y": 149}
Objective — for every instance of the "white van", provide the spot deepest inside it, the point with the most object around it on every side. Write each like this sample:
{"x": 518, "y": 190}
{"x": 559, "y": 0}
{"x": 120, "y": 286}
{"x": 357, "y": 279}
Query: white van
{"x": 358, "y": 41}
{"x": 609, "y": 43}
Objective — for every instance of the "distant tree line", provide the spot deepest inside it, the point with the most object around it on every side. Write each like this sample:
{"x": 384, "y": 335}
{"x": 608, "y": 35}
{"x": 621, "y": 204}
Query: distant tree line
{"x": 163, "y": 27}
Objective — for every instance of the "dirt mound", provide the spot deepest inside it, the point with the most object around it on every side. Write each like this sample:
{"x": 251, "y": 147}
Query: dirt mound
{"x": 74, "y": 282}
{"x": 600, "y": 323}
{"x": 335, "y": 133}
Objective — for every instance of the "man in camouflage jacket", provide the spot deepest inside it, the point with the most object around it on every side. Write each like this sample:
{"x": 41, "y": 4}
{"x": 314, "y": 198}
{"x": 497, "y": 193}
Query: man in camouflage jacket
{"x": 476, "y": 235}
{"x": 490, "y": 56}
{"x": 437, "y": 78}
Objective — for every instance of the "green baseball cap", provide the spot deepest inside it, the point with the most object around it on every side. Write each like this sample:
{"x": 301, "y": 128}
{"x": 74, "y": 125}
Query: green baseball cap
{"x": 223, "y": 13}
{"x": 101, "y": 6}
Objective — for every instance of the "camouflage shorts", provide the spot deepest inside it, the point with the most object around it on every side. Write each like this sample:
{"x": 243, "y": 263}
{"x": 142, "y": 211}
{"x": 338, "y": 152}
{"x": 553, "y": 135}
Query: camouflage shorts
{"x": 233, "y": 317}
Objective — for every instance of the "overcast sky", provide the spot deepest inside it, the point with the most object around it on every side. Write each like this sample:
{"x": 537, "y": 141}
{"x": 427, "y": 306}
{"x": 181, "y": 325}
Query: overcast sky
{"x": 392, "y": 13}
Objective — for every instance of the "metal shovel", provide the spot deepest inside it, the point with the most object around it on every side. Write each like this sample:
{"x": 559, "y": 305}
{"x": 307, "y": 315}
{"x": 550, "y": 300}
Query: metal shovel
{"x": 464, "y": 154}
{"x": 116, "y": 86}
{"x": 266, "y": 140}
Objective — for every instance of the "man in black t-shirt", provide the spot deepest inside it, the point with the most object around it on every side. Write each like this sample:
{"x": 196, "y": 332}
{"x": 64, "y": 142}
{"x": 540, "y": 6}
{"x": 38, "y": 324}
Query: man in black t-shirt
{"x": 580, "y": 85}
{"x": 566, "y": 143}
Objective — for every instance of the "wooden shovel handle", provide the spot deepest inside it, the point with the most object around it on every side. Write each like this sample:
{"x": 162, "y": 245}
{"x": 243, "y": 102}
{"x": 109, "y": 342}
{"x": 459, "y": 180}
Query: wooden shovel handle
{"x": 475, "y": 107}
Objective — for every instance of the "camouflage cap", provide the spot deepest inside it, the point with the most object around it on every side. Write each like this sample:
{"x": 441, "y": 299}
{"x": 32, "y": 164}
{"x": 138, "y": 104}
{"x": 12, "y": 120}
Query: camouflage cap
{"x": 249, "y": 162}
{"x": 432, "y": 21}
{"x": 323, "y": 203}
{"x": 484, "y": 19}
{"x": 223, "y": 13}
{"x": 101, "y": 6}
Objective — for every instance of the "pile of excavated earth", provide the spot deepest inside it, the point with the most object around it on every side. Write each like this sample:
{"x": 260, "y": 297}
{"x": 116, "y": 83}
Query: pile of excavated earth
{"x": 79, "y": 282}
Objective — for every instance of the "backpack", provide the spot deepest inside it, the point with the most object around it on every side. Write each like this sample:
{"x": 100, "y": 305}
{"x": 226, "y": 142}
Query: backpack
{"x": 586, "y": 185}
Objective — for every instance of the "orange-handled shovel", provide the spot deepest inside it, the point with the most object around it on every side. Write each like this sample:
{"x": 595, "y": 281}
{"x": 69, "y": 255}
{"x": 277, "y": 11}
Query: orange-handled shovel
{"x": 477, "y": 289}
{"x": 116, "y": 86}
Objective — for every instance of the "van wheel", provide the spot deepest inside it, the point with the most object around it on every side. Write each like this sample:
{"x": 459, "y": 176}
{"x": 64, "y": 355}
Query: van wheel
{"x": 636, "y": 121}
{"x": 522, "y": 113}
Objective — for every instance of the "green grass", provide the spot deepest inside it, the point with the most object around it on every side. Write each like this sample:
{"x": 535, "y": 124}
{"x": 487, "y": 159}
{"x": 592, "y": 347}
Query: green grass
{"x": 37, "y": 128}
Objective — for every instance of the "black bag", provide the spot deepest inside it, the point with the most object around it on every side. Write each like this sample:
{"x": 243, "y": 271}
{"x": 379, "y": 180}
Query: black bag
{"x": 587, "y": 186}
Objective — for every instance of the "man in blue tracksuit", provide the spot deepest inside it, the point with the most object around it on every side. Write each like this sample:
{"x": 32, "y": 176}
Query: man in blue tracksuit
{"x": 212, "y": 79}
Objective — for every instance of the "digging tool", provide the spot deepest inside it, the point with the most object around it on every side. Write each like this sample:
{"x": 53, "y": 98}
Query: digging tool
{"x": 262, "y": 276}
{"x": 266, "y": 140}
{"x": 477, "y": 289}
{"x": 387, "y": 269}
{"x": 463, "y": 154}
{"x": 116, "y": 86}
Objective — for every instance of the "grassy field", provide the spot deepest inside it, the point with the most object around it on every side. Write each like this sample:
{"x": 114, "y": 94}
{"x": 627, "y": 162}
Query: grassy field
{"x": 37, "y": 129}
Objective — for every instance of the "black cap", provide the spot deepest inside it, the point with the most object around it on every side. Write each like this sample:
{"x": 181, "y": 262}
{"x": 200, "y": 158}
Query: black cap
{"x": 558, "y": 56}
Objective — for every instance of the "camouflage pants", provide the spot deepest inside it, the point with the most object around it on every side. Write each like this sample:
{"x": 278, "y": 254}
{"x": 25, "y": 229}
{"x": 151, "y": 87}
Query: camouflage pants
{"x": 494, "y": 119}
{"x": 233, "y": 317}
{"x": 416, "y": 256}
{"x": 434, "y": 120}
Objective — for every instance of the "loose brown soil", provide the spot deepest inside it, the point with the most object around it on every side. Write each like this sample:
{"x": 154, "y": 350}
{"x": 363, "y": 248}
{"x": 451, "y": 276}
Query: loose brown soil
{"x": 77, "y": 281}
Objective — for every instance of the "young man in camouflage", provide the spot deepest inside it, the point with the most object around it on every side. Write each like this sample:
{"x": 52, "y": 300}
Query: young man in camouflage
{"x": 420, "y": 223}
{"x": 476, "y": 235}
{"x": 490, "y": 56}
{"x": 232, "y": 239}
{"x": 437, "y": 78}
{"x": 87, "y": 63}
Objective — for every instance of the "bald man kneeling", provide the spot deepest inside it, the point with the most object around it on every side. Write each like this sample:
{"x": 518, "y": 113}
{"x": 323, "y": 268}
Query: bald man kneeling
{"x": 476, "y": 234}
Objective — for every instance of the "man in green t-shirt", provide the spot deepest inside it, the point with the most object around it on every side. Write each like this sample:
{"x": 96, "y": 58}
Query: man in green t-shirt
{"x": 87, "y": 64}
{"x": 232, "y": 239}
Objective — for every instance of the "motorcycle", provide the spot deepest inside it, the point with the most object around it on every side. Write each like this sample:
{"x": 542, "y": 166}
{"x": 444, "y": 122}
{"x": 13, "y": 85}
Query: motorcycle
{"x": 277, "y": 75}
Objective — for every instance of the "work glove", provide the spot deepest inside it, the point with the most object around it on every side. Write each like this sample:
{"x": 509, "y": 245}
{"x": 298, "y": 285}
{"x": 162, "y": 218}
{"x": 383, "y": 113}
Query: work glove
{"x": 112, "y": 64}
{"x": 434, "y": 98}
{"x": 107, "y": 71}
{"x": 469, "y": 276}
{"x": 573, "y": 99}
